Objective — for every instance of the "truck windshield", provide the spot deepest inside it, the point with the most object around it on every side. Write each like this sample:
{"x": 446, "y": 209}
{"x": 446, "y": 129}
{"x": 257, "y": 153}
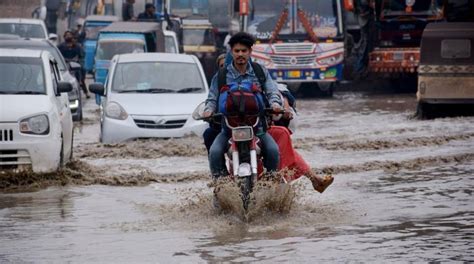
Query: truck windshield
{"x": 399, "y": 7}
{"x": 106, "y": 49}
{"x": 184, "y": 8}
{"x": 197, "y": 37}
{"x": 21, "y": 76}
{"x": 322, "y": 15}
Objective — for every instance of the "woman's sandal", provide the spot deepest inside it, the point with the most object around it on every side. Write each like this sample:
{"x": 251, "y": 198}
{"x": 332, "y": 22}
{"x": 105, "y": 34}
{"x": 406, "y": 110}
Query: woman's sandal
{"x": 320, "y": 186}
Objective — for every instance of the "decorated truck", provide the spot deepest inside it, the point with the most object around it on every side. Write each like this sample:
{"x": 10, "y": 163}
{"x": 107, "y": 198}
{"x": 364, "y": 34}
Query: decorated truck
{"x": 300, "y": 42}
{"x": 401, "y": 24}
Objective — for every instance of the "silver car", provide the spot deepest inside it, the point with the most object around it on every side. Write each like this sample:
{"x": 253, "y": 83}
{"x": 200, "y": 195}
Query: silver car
{"x": 66, "y": 70}
{"x": 151, "y": 95}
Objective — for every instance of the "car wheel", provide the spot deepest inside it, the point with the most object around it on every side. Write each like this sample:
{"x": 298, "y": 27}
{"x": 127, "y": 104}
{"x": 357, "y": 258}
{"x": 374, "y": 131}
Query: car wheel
{"x": 101, "y": 134}
{"x": 423, "y": 110}
{"x": 80, "y": 113}
{"x": 61, "y": 154}
{"x": 72, "y": 144}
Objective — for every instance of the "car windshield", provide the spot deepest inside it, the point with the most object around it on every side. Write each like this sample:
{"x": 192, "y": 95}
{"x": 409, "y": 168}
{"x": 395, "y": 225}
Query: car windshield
{"x": 106, "y": 49}
{"x": 21, "y": 76}
{"x": 23, "y": 30}
{"x": 196, "y": 37}
{"x": 154, "y": 77}
{"x": 399, "y": 7}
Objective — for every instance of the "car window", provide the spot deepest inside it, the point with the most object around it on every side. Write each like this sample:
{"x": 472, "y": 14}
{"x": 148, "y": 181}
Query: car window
{"x": 23, "y": 30}
{"x": 456, "y": 48}
{"x": 107, "y": 49}
{"x": 21, "y": 76}
{"x": 154, "y": 77}
{"x": 170, "y": 45}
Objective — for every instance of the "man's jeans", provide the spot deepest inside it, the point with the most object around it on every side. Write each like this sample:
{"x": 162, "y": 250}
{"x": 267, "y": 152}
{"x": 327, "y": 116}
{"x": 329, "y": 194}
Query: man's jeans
{"x": 271, "y": 155}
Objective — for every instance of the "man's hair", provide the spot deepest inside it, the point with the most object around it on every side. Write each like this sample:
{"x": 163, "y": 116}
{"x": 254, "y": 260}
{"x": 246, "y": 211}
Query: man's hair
{"x": 149, "y": 5}
{"x": 242, "y": 38}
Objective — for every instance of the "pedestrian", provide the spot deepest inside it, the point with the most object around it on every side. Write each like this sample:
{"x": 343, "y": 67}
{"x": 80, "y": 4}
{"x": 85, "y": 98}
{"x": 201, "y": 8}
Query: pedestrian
{"x": 127, "y": 10}
{"x": 52, "y": 8}
{"x": 149, "y": 14}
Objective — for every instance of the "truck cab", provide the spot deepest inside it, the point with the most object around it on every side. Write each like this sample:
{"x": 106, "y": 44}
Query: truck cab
{"x": 199, "y": 40}
{"x": 125, "y": 37}
{"x": 92, "y": 25}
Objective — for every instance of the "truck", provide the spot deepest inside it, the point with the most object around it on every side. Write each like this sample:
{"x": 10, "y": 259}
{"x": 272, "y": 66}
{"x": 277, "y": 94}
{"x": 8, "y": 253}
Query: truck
{"x": 399, "y": 26}
{"x": 300, "y": 42}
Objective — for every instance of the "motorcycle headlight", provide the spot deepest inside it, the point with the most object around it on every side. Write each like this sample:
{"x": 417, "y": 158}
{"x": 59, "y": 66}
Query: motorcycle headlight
{"x": 242, "y": 133}
{"x": 115, "y": 111}
{"x": 331, "y": 60}
{"x": 37, "y": 125}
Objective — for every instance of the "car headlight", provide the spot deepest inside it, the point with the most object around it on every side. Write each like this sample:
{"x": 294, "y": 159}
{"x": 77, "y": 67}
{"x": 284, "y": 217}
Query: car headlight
{"x": 331, "y": 60}
{"x": 38, "y": 125}
{"x": 261, "y": 61}
{"x": 115, "y": 111}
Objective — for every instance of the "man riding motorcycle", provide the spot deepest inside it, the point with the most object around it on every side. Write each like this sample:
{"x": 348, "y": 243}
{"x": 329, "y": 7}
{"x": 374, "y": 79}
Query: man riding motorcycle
{"x": 72, "y": 51}
{"x": 241, "y": 70}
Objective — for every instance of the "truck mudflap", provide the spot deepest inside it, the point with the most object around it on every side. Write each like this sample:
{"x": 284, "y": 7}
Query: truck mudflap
{"x": 391, "y": 60}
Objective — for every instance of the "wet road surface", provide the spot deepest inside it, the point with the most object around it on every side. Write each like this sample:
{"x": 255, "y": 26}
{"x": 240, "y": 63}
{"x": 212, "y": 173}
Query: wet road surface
{"x": 402, "y": 192}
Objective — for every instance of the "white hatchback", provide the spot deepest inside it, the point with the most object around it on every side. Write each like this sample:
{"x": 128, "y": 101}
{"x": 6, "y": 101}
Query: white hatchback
{"x": 36, "y": 129}
{"x": 151, "y": 95}
{"x": 26, "y": 28}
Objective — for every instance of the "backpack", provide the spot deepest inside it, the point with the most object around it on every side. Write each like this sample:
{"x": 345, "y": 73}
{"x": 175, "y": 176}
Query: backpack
{"x": 242, "y": 102}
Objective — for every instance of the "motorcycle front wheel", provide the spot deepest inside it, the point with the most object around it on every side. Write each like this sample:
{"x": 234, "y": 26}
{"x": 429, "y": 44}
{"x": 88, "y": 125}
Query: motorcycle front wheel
{"x": 246, "y": 187}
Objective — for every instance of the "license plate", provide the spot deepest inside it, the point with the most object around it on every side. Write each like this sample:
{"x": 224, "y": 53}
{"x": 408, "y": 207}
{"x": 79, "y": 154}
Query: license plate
{"x": 398, "y": 56}
{"x": 294, "y": 74}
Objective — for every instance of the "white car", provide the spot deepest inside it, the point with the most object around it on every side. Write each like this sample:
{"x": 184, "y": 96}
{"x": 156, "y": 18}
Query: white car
{"x": 26, "y": 28}
{"x": 36, "y": 130}
{"x": 151, "y": 95}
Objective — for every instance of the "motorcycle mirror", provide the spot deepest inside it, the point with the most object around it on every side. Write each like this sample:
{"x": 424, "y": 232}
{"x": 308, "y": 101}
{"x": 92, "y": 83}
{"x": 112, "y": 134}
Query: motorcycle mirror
{"x": 197, "y": 114}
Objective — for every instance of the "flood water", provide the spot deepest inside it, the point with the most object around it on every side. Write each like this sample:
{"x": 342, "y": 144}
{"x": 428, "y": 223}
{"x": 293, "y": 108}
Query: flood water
{"x": 402, "y": 193}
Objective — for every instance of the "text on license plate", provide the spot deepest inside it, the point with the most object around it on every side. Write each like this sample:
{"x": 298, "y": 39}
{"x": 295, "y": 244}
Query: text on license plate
{"x": 398, "y": 56}
{"x": 294, "y": 74}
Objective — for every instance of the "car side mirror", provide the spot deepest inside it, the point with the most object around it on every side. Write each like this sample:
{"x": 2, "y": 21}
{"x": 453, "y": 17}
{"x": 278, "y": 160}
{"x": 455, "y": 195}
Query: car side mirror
{"x": 97, "y": 88}
{"x": 74, "y": 66}
{"x": 64, "y": 87}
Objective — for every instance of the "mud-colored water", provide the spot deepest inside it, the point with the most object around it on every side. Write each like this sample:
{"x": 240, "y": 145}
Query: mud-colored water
{"x": 402, "y": 193}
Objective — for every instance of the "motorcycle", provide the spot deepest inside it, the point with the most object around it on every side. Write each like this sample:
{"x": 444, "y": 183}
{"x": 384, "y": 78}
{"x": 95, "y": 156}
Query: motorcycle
{"x": 244, "y": 162}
